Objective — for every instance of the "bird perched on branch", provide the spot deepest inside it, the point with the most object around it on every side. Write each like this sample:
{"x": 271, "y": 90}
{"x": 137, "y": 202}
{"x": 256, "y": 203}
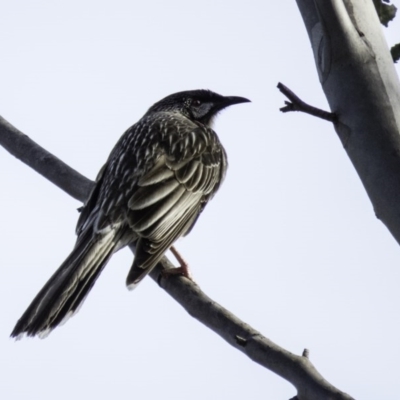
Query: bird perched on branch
{"x": 153, "y": 187}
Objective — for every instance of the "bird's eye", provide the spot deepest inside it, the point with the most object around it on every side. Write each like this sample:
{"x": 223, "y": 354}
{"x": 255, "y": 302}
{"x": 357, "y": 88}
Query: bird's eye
{"x": 196, "y": 103}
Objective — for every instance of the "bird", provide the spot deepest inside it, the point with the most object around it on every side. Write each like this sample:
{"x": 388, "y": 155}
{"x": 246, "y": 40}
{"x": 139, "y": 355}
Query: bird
{"x": 155, "y": 184}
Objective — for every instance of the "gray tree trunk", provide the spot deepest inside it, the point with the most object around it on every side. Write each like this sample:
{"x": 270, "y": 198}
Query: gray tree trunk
{"x": 357, "y": 74}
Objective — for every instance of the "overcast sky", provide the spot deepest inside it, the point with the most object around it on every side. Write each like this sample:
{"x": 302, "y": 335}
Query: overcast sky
{"x": 290, "y": 244}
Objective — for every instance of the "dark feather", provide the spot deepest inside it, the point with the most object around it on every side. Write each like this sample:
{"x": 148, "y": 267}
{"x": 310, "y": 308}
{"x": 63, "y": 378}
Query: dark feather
{"x": 154, "y": 185}
{"x": 67, "y": 288}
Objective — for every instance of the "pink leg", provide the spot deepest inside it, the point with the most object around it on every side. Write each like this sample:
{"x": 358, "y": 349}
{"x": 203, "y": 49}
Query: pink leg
{"x": 182, "y": 270}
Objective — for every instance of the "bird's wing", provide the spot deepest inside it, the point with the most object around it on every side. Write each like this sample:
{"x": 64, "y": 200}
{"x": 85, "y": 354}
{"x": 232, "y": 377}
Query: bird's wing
{"x": 117, "y": 179}
{"x": 169, "y": 197}
{"x": 87, "y": 212}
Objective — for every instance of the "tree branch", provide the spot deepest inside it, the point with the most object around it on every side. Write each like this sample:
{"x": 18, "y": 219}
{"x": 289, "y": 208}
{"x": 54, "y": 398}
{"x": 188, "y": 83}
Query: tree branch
{"x": 357, "y": 74}
{"x": 298, "y": 370}
{"x": 43, "y": 162}
{"x": 296, "y": 104}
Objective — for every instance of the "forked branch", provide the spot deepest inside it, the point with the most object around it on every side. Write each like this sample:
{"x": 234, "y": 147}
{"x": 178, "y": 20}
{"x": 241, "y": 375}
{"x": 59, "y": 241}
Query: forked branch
{"x": 296, "y": 104}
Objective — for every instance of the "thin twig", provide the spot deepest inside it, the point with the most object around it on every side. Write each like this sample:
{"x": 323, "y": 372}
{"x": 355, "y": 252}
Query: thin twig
{"x": 296, "y": 104}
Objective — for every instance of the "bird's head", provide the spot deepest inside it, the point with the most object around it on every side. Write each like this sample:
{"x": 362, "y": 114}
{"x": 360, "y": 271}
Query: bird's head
{"x": 198, "y": 105}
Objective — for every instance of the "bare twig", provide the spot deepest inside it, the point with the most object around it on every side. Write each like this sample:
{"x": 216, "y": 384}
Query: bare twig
{"x": 306, "y": 353}
{"x": 296, "y": 104}
{"x": 296, "y": 369}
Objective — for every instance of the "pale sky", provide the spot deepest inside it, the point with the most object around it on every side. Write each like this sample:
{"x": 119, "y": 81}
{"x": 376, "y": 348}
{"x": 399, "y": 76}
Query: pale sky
{"x": 290, "y": 244}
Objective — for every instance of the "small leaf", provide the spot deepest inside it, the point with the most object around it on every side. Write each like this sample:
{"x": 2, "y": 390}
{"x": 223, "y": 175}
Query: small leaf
{"x": 386, "y": 12}
{"x": 395, "y": 51}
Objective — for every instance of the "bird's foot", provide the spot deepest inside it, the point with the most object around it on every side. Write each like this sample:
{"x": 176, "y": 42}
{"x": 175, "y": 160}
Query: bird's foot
{"x": 183, "y": 270}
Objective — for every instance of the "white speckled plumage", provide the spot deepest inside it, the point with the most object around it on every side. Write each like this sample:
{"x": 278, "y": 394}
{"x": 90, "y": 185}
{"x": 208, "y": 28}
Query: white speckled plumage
{"x": 155, "y": 183}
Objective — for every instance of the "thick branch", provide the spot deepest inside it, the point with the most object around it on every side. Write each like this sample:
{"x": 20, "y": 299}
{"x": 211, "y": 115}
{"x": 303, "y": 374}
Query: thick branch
{"x": 43, "y": 162}
{"x": 357, "y": 74}
{"x": 298, "y": 370}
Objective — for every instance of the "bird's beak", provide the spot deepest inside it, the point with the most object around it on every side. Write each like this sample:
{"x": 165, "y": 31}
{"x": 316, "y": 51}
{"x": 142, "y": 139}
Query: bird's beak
{"x": 231, "y": 100}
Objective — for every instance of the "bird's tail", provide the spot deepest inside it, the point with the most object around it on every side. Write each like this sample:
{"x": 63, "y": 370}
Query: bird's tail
{"x": 66, "y": 290}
